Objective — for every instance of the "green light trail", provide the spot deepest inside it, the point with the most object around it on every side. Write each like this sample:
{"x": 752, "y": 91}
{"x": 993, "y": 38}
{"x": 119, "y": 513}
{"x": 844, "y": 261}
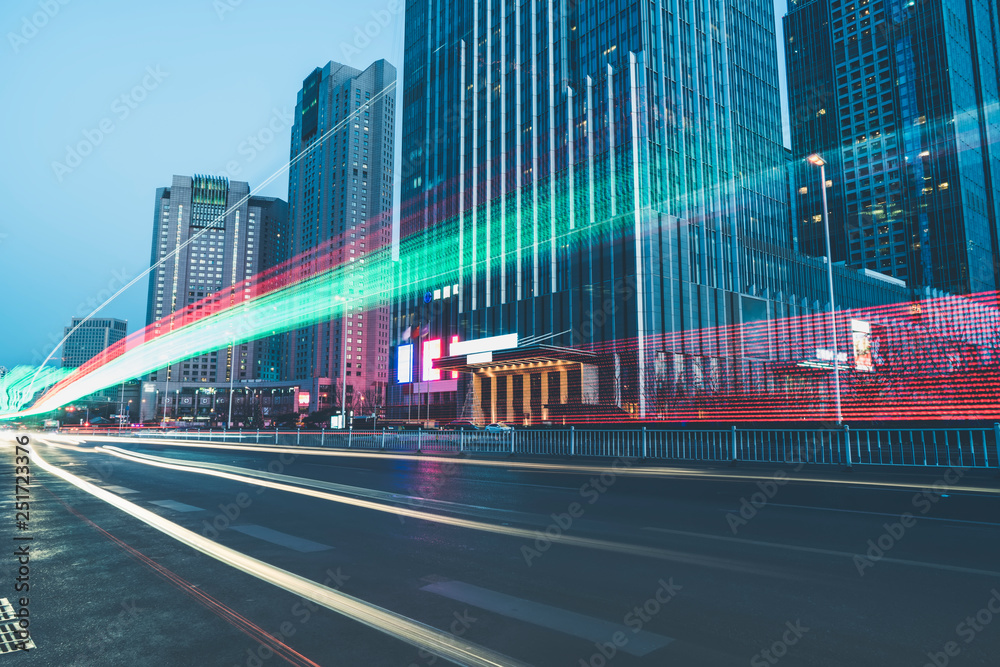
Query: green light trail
{"x": 17, "y": 390}
{"x": 428, "y": 260}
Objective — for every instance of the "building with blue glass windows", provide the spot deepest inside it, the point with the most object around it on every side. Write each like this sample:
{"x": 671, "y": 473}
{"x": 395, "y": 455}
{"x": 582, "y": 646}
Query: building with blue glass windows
{"x": 340, "y": 193}
{"x": 581, "y": 181}
{"x": 901, "y": 99}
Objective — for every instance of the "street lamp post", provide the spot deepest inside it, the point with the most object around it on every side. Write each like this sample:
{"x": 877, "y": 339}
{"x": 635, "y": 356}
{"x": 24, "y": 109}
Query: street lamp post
{"x": 121, "y": 406}
{"x": 817, "y": 161}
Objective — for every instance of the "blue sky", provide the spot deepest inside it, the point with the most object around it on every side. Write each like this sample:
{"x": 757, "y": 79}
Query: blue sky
{"x": 148, "y": 90}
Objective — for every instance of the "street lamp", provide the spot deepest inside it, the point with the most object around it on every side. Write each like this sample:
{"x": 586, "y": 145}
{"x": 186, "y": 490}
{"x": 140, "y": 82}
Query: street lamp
{"x": 817, "y": 161}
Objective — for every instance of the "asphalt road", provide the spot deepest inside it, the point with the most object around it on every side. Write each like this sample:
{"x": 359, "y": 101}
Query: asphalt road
{"x": 373, "y": 559}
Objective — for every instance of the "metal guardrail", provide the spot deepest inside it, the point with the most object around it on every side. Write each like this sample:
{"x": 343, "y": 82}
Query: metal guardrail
{"x": 961, "y": 447}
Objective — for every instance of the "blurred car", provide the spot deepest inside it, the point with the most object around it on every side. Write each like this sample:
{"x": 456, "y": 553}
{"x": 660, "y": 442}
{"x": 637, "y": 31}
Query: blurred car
{"x": 462, "y": 425}
{"x": 499, "y": 427}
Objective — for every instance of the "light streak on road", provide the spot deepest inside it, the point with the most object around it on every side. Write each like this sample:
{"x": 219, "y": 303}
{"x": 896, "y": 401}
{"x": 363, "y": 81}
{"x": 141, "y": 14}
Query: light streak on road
{"x": 422, "y": 636}
{"x": 624, "y": 469}
{"x": 523, "y": 533}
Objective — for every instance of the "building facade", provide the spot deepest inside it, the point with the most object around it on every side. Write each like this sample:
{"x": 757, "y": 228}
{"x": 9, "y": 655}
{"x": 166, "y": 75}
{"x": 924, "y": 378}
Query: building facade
{"x": 591, "y": 178}
{"x": 901, "y": 99}
{"x": 340, "y": 194}
{"x": 90, "y": 340}
{"x": 210, "y": 238}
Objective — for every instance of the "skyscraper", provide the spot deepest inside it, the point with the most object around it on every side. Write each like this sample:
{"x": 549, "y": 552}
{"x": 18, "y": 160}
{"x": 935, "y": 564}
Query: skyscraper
{"x": 901, "y": 98}
{"x": 589, "y": 175}
{"x": 93, "y": 337}
{"x": 340, "y": 194}
{"x": 213, "y": 236}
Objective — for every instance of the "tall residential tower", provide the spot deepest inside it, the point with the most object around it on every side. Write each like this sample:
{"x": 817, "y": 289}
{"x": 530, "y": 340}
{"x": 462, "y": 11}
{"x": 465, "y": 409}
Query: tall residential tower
{"x": 212, "y": 237}
{"x": 340, "y": 192}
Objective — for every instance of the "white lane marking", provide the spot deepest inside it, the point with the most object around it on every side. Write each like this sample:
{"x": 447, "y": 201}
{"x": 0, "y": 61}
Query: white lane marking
{"x": 119, "y": 489}
{"x": 827, "y": 552}
{"x": 567, "y": 622}
{"x": 299, "y": 544}
{"x": 921, "y": 517}
{"x": 422, "y": 636}
{"x": 176, "y": 506}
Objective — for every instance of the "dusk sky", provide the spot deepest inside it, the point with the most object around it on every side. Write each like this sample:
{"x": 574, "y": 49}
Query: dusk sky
{"x": 155, "y": 89}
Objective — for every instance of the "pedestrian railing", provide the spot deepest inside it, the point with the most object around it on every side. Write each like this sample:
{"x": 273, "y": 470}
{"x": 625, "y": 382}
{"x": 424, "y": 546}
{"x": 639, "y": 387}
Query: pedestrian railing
{"x": 963, "y": 447}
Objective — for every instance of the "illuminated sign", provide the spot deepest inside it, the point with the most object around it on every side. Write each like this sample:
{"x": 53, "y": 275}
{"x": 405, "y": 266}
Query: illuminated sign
{"x": 303, "y": 399}
{"x": 483, "y": 345}
{"x": 404, "y": 364}
{"x": 861, "y": 337}
{"x": 827, "y": 355}
{"x": 431, "y": 351}
{"x": 479, "y": 358}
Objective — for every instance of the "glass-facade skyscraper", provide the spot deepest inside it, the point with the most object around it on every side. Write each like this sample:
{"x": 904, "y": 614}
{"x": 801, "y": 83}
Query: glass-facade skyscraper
{"x": 901, "y": 98}
{"x": 211, "y": 237}
{"x": 590, "y": 176}
{"x": 340, "y": 193}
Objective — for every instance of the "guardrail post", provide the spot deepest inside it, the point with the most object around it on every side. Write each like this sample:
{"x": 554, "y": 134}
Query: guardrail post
{"x": 572, "y": 441}
{"x": 383, "y": 438}
{"x": 645, "y": 448}
{"x": 732, "y": 445}
{"x": 350, "y": 432}
{"x": 322, "y": 436}
{"x": 996, "y": 440}
{"x": 241, "y": 435}
{"x": 298, "y": 435}
{"x": 847, "y": 437}
{"x": 513, "y": 436}
{"x": 420, "y": 435}
{"x": 275, "y": 436}
{"x": 257, "y": 441}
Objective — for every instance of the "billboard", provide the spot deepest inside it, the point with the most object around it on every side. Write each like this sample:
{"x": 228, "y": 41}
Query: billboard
{"x": 430, "y": 351}
{"x": 862, "y": 341}
{"x": 404, "y": 364}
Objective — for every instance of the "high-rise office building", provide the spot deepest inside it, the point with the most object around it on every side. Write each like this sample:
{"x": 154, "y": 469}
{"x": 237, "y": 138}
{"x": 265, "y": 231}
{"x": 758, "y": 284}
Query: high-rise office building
{"x": 340, "y": 194}
{"x": 901, "y": 99}
{"x": 582, "y": 180}
{"x": 90, "y": 340}
{"x": 210, "y": 236}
